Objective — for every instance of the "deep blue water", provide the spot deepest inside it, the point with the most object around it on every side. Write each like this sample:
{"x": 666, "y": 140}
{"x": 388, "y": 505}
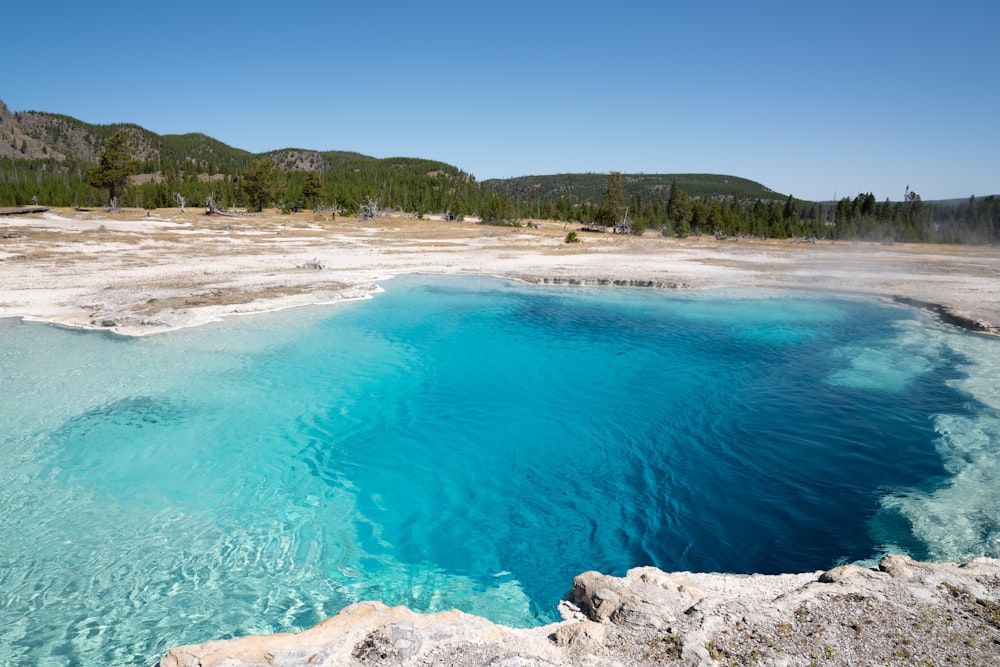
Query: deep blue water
{"x": 467, "y": 442}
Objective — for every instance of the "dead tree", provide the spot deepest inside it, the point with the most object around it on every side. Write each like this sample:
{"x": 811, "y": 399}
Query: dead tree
{"x": 210, "y": 202}
{"x": 368, "y": 211}
{"x": 623, "y": 226}
{"x": 181, "y": 200}
{"x": 315, "y": 263}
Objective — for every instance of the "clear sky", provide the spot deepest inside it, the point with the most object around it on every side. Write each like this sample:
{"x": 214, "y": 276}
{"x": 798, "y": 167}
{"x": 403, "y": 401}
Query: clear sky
{"x": 811, "y": 99}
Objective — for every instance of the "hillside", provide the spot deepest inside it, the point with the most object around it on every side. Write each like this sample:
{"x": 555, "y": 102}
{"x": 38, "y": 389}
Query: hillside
{"x": 56, "y": 139}
{"x": 47, "y": 155}
{"x": 36, "y": 135}
{"x": 16, "y": 142}
{"x": 583, "y": 188}
{"x": 300, "y": 160}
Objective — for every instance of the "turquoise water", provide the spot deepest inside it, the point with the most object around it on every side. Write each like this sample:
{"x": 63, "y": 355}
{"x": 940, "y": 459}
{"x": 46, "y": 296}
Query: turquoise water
{"x": 470, "y": 443}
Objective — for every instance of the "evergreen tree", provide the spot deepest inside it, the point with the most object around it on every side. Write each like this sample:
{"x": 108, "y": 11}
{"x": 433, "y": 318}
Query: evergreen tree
{"x": 262, "y": 182}
{"x": 612, "y": 209}
{"x": 714, "y": 220}
{"x": 114, "y": 167}
{"x": 679, "y": 210}
{"x": 699, "y": 215}
{"x": 312, "y": 189}
{"x": 456, "y": 210}
{"x": 791, "y": 209}
{"x": 868, "y": 204}
{"x": 500, "y": 210}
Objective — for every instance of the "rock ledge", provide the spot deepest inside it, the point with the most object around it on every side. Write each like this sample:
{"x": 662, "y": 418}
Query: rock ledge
{"x": 905, "y": 612}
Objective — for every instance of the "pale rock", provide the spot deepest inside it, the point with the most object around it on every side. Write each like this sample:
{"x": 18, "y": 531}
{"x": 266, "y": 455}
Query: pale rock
{"x": 585, "y": 633}
{"x": 693, "y": 650}
{"x": 903, "y": 612}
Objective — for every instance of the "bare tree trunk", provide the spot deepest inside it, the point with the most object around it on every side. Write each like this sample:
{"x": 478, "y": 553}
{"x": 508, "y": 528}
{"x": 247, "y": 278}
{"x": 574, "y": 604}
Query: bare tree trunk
{"x": 368, "y": 211}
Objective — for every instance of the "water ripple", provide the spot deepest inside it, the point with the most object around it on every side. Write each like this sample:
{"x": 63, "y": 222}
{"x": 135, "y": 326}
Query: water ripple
{"x": 470, "y": 444}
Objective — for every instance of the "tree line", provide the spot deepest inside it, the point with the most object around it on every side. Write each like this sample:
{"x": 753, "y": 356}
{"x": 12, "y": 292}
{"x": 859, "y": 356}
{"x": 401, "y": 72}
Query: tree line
{"x": 404, "y": 184}
{"x": 418, "y": 187}
{"x": 863, "y": 218}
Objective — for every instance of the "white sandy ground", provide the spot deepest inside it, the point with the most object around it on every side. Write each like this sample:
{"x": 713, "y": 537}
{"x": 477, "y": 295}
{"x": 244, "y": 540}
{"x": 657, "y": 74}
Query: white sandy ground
{"x": 137, "y": 273}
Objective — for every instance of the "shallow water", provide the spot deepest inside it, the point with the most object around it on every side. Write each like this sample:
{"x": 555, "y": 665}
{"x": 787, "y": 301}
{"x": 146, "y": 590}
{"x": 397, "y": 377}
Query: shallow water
{"x": 465, "y": 442}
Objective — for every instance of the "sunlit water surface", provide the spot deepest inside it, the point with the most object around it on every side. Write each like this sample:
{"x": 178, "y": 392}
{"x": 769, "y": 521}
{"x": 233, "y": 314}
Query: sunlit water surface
{"x": 470, "y": 443}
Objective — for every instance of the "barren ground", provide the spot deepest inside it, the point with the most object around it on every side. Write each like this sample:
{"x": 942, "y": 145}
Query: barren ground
{"x": 138, "y": 273}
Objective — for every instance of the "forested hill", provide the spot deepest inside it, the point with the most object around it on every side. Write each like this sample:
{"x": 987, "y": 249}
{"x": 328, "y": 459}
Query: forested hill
{"x": 53, "y": 143}
{"x": 583, "y": 188}
{"x": 57, "y": 160}
{"x": 48, "y": 156}
{"x": 36, "y": 135}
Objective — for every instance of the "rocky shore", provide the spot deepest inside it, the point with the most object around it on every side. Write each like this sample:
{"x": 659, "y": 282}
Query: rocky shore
{"x": 901, "y": 613}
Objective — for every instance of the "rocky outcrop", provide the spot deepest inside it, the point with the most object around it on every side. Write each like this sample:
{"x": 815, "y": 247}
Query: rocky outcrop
{"x": 904, "y": 612}
{"x": 17, "y": 142}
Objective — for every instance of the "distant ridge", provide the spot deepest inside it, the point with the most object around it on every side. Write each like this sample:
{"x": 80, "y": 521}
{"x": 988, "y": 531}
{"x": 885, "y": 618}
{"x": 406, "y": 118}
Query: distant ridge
{"x": 959, "y": 200}
{"x": 57, "y": 138}
{"x": 583, "y": 188}
{"x": 60, "y": 139}
{"x": 38, "y": 135}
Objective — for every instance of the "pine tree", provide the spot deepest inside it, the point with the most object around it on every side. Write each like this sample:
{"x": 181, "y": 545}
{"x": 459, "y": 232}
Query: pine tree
{"x": 679, "y": 210}
{"x": 262, "y": 182}
{"x": 612, "y": 209}
{"x": 312, "y": 189}
{"x": 114, "y": 167}
{"x": 715, "y": 219}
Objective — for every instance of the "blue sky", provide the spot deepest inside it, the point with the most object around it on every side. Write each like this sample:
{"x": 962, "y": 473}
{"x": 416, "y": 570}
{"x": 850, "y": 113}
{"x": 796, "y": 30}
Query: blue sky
{"x": 811, "y": 99}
